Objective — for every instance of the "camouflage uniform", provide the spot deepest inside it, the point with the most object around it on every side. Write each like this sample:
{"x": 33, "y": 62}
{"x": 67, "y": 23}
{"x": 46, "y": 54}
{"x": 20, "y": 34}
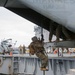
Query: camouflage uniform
{"x": 58, "y": 32}
{"x": 65, "y": 32}
{"x": 62, "y": 29}
{"x": 51, "y": 31}
{"x": 39, "y": 51}
{"x": 24, "y": 50}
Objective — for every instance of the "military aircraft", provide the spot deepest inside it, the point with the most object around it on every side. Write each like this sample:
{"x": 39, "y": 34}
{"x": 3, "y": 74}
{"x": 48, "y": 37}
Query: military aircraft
{"x": 42, "y": 12}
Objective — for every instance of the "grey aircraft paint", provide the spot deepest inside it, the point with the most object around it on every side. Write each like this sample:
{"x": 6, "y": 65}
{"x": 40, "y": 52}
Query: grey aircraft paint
{"x": 60, "y": 11}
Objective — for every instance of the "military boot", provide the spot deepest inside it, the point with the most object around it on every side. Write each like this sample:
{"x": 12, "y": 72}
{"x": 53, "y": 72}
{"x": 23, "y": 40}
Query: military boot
{"x": 44, "y": 69}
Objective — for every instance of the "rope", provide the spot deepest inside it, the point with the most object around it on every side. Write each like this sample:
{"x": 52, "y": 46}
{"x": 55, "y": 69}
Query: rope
{"x": 47, "y": 56}
{"x": 5, "y": 3}
{"x": 1, "y": 61}
{"x": 43, "y": 72}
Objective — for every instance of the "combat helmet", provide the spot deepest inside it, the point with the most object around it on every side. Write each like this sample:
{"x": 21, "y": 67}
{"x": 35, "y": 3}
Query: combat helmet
{"x": 34, "y": 38}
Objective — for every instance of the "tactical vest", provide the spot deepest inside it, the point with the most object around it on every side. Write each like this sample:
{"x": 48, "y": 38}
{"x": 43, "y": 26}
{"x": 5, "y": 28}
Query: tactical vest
{"x": 31, "y": 50}
{"x": 36, "y": 47}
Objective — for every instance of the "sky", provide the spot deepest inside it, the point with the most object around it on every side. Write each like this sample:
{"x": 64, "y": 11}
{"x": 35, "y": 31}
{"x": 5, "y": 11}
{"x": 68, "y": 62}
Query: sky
{"x": 15, "y": 27}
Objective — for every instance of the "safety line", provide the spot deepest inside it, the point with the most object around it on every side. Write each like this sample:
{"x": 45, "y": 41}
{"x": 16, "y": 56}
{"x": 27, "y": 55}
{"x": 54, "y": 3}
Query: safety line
{"x": 5, "y": 3}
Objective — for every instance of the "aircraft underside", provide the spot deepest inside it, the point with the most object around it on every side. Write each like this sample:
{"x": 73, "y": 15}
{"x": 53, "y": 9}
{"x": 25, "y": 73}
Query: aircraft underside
{"x": 43, "y": 13}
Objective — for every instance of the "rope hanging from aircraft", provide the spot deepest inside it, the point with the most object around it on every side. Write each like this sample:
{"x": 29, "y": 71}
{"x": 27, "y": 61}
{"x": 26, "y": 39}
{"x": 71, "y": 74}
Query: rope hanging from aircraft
{"x": 5, "y": 3}
{"x": 1, "y": 61}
